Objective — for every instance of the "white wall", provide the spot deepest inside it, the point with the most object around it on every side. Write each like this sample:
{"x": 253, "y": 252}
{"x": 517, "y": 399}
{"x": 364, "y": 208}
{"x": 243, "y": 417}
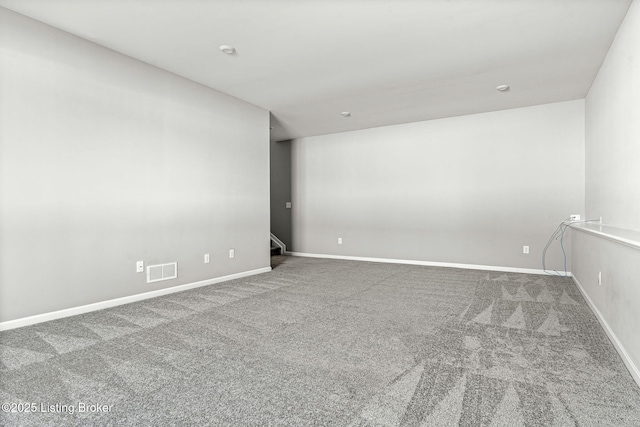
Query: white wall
{"x": 471, "y": 189}
{"x": 617, "y": 300}
{"x": 613, "y": 131}
{"x": 105, "y": 160}
{"x": 613, "y": 191}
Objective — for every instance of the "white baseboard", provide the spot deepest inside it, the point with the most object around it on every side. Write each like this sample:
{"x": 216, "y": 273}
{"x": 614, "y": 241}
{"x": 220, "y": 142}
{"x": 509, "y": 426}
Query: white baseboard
{"x": 633, "y": 369}
{"x": 427, "y": 263}
{"x": 45, "y": 317}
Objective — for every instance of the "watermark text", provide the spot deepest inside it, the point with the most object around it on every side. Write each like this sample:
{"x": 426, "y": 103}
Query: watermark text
{"x": 56, "y": 408}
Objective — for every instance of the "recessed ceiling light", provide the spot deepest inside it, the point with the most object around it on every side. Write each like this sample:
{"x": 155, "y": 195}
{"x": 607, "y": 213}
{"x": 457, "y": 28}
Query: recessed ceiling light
{"x": 346, "y": 114}
{"x": 502, "y": 88}
{"x": 229, "y": 50}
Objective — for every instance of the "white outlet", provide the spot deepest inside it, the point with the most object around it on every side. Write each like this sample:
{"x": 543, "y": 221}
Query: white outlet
{"x": 339, "y": 240}
{"x": 140, "y": 267}
{"x": 206, "y": 258}
{"x": 599, "y": 278}
{"x": 525, "y": 249}
{"x": 574, "y": 217}
{"x": 232, "y": 253}
{"x": 287, "y": 205}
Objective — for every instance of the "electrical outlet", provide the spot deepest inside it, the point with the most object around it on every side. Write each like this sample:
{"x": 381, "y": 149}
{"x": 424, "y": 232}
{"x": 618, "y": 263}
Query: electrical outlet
{"x": 574, "y": 217}
{"x": 206, "y": 258}
{"x": 140, "y": 267}
{"x": 599, "y": 278}
{"x": 339, "y": 240}
{"x": 287, "y": 205}
{"x": 232, "y": 253}
{"x": 525, "y": 249}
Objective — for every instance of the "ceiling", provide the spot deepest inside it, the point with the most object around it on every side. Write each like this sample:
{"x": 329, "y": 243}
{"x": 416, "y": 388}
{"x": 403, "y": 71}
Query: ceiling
{"x": 385, "y": 61}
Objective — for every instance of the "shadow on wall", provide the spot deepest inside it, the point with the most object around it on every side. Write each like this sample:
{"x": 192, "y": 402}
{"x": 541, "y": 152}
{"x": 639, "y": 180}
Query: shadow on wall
{"x": 280, "y": 174}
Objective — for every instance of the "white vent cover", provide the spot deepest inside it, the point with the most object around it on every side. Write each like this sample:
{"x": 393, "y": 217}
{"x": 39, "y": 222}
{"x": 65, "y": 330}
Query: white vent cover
{"x": 155, "y": 273}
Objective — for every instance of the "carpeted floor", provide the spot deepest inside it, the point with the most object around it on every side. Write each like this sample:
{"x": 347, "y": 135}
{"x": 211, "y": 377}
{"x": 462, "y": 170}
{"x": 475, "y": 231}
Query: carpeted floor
{"x": 327, "y": 343}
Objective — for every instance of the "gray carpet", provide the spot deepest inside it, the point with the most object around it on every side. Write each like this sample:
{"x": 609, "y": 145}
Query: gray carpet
{"x": 328, "y": 343}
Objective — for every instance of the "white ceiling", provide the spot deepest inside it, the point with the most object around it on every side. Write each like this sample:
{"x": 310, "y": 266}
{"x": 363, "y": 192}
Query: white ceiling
{"x": 385, "y": 61}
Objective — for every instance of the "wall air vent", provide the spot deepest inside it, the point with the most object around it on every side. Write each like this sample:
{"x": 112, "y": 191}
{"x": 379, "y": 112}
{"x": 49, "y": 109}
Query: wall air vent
{"x": 156, "y": 273}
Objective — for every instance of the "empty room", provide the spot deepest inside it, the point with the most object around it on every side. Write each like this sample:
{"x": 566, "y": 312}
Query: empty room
{"x": 357, "y": 213}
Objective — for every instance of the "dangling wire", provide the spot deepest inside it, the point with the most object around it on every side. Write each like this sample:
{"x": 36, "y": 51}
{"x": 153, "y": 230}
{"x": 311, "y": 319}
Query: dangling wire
{"x": 558, "y": 234}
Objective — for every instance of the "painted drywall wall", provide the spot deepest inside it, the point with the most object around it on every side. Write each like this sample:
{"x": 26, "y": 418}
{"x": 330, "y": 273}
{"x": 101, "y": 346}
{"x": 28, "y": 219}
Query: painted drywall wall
{"x": 612, "y": 153}
{"x": 613, "y": 131}
{"x": 280, "y": 155}
{"x": 472, "y": 189}
{"x": 617, "y": 298}
{"x": 105, "y": 160}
